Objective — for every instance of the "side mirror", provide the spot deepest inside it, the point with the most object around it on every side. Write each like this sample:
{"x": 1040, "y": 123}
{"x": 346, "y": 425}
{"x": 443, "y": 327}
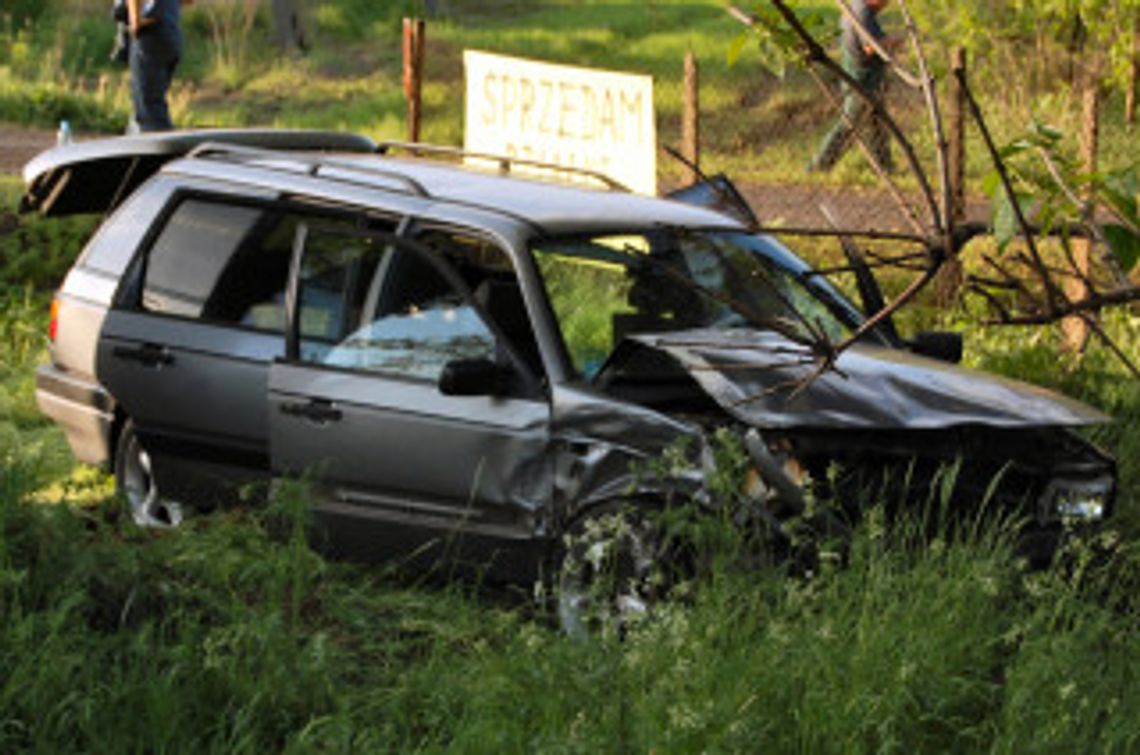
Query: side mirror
{"x": 472, "y": 377}
{"x": 938, "y": 345}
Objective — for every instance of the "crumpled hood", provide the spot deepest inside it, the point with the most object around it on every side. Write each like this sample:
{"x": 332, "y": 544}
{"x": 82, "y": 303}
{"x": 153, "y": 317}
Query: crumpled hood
{"x": 754, "y": 375}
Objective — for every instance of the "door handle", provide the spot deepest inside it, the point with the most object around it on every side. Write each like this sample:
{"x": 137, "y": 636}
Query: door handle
{"x": 316, "y": 410}
{"x": 148, "y": 354}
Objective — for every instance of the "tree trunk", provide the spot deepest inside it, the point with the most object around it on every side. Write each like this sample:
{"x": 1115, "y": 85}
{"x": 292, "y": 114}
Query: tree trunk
{"x": 1134, "y": 77}
{"x": 290, "y": 30}
{"x": 1076, "y": 329}
{"x": 949, "y": 279}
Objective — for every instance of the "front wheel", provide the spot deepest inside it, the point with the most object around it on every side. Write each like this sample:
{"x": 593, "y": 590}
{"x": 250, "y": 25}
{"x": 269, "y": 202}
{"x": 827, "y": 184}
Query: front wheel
{"x": 611, "y": 572}
{"x": 134, "y": 481}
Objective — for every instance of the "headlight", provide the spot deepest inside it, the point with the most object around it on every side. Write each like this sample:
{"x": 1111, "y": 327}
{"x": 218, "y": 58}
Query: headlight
{"x": 1079, "y": 500}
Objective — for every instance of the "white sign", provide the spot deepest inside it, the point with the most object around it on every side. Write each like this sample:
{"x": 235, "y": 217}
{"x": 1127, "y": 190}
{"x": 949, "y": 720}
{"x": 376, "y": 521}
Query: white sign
{"x": 575, "y": 117}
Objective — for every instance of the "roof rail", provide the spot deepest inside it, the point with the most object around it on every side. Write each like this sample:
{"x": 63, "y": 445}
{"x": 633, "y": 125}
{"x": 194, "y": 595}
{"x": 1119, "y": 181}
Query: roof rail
{"x": 312, "y": 164}
{"x": 505, "y": 162}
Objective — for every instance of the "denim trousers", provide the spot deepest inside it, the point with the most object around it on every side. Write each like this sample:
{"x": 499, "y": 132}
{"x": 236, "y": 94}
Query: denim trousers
{"x": 153, "y": 59}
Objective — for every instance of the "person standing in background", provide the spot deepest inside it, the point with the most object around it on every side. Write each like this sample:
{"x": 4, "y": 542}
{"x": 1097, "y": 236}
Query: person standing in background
{"x": 868, "y": 69}
{"x": 156, "y": 46}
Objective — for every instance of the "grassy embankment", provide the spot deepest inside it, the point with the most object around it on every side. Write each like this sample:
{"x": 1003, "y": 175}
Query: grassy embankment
{"x": 232, "y": 636}
{"x": 755, "y": 125}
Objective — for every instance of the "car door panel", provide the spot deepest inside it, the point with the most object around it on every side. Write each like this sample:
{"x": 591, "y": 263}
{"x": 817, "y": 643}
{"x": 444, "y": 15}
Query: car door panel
{"x": 195, "y": 393}
{"x": 356, "y": 408}
{"x": 406, "y": 447}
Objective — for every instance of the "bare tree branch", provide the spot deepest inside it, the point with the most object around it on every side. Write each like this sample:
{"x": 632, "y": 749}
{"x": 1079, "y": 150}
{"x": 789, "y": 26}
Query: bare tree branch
{"x": 941, "y": 146}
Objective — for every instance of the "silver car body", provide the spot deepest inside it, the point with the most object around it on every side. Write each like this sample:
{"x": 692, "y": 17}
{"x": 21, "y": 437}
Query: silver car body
{"x": 397, "y": 463}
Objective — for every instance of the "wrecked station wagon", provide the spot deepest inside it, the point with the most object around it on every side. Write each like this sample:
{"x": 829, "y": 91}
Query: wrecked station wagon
{"x": 482, "y": 361}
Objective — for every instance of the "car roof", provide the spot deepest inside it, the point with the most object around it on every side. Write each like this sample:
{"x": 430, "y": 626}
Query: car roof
{"x": 95, "y": 176}
{"x": 556, "y": 208}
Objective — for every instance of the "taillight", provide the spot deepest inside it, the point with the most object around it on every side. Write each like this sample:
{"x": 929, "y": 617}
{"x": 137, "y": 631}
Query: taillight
{"x": 53, "y": 326}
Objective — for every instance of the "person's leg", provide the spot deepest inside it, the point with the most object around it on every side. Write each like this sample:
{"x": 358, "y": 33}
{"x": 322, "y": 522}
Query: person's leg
{"x": 839, "y": 138}
{"x": 879, "y": 140}
{"x": 152, "y": 70}
{"x": 135, "y": 63}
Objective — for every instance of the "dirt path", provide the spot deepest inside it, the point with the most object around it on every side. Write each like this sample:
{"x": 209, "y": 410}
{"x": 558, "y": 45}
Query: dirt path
{"x": 18, "y": 145}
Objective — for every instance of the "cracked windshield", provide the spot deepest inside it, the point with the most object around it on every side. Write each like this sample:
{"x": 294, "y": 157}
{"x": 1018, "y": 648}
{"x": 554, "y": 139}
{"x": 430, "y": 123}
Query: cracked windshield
{"x": 604, "y": 288}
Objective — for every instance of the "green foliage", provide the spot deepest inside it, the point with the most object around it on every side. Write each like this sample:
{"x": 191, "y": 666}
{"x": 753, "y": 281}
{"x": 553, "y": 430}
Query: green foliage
{"x": 44, "y": 104}
{"x": 1046, "y": 182}
{"x": 779, "y": 44}
{"x": 36, "y": 253}
{"x": 206, "y": 640}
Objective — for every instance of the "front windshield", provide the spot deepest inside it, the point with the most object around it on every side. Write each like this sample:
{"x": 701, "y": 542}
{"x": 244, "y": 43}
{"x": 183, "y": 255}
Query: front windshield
{"x": 603, "y": 288}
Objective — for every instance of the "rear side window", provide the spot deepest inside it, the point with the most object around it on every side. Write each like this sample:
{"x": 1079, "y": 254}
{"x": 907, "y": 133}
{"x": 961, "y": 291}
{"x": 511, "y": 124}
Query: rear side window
{"x": 112, "y": 247}
{"x": 222, "y": 263}
{"x": 192, "y": 253}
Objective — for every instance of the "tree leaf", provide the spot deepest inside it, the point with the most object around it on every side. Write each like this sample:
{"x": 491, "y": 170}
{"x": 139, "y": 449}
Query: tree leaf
{"x": 1125, "y": 244}
{"x": 1005, "y": 225}
{"x": 736, "y": 47}
{"x": 1122, "y": 192}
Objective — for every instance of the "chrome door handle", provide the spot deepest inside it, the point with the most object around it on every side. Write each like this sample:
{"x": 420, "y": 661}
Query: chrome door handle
{"x": 148, "y": 354}
{"x": 316, "y": 410}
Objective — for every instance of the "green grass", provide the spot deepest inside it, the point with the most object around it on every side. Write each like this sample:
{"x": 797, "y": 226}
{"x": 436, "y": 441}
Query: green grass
{"x": 223, "y": 638}
{"x": 753, "y": 124}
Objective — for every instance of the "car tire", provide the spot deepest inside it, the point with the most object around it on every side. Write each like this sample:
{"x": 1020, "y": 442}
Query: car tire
{"x": 135, "y": 484}
{"x": 612, "y": 571}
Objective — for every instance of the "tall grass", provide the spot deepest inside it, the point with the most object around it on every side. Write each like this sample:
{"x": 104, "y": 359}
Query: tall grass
{"x": 222, "y": 637}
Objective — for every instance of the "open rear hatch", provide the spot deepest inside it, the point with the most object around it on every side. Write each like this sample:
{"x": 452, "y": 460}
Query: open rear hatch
{"x": 95, "y": 176}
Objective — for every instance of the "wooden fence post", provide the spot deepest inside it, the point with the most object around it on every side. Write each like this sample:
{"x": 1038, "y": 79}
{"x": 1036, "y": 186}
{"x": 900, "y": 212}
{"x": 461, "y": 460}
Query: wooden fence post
{"x": 414, "y": 38}
{"x": 950, "y": 277}
{"x": 691, "y": 116}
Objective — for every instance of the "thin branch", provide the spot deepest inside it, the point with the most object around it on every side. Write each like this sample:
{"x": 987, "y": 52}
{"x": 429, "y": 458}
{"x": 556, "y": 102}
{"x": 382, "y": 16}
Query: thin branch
{"x": 776, "y": 230}
{"x": 901, "y": 262}
{"x": 875, "y": 320}
{"x": 1095, "y": 326}
{"x": 1003, "y": 174}
{"x": 942, "y": 147}
{"x": 1091, "y": 303}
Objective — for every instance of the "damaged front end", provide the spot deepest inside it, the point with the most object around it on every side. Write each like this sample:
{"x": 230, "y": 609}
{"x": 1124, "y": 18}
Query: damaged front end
{"x": 680, "y": 333}
{"x": 933, "y": 443}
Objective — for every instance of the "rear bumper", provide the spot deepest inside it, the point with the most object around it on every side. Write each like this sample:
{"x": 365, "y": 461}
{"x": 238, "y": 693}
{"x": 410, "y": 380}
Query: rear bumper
{"x": 82, "y": 408}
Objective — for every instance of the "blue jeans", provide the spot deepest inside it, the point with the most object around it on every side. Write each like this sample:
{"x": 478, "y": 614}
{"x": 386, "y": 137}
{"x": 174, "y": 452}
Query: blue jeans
{"x": 153, "y": 59}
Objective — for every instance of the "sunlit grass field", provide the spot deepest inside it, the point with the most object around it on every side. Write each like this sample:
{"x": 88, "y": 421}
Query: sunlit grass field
{"x": 755, "y": 125}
